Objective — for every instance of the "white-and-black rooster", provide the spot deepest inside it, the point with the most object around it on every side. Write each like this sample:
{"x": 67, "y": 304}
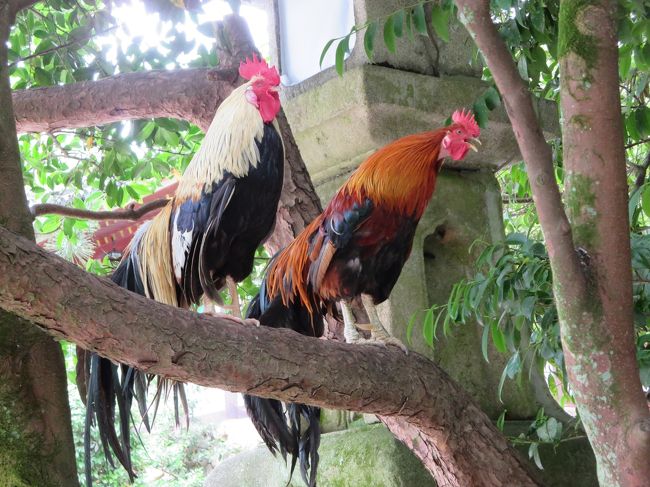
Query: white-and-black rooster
{"x": 223, "y": 209}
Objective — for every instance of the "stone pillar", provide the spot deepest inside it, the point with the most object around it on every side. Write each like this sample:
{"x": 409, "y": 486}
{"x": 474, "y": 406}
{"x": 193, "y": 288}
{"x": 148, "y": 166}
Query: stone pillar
{"x": 338, "y": 122}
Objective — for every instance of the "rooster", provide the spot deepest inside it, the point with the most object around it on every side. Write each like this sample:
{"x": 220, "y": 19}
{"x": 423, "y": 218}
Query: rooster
{"x": 223, "y": 209}
{"x": 356, "y": 248}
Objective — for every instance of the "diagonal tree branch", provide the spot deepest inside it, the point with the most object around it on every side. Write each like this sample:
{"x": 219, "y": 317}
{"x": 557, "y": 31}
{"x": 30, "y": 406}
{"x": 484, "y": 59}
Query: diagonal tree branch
{"x": 128, "y": 213}
{"x": 536, "y": 152}
{"x": 458, "y": 441}
{"x": 594, "y": 292}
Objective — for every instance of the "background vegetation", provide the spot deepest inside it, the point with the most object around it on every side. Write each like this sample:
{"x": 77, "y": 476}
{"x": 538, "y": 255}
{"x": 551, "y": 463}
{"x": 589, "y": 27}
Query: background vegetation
{"x": 510, "y": 295}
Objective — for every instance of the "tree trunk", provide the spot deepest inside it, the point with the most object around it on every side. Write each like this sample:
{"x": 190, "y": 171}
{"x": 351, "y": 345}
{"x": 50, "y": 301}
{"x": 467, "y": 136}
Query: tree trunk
{"x": 598, "y": 330}
{"x": 459, "y": 444}
{"x": 35, "y": 430}
{"x": 593, "y": 285}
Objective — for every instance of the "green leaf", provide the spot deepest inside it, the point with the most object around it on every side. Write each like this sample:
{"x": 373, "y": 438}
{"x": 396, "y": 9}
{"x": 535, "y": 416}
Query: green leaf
{"x": 44, "y": 45}
{"x": 50, "y": 224}
{"x": 642, "y": 116}
{"x": 409, "y": 26}
{"x": 68, "y": 226}
{"x": 409, "y": 328}
{"x": 369, "y": 39}
{"x": 522, "y": 67}
{"x": 645, "y": 200}
{"x": 484, "y": 342}
{"x": 510, "y": 370}
{"x": 440, "y": 22}
{"x": 633, "y": 203}
{"x": 419, "y": 20}
{"x": 341, "y": 51}
{"x": 492, "y": 98}
{"x": 133, "y": 193}
{"x": 481, "y": 112}
{"x": 537, "y": 18}
{"x": 325, "y": 49}
{"x": 42, "y": 77}
{"x": 427, "y": 330}
{"x": 40, "y": 34}
{"x": 502, "y": 419}
{"x": 172, "y": 138}
{"x": 498, "y": 338}
{"x": 549, "y": 431}
{"x": 389, "y": 34}
{"x": 631, "y": 126}
{"x": 533, "y": 452}
{"x": 146, "y": 131}
{"x": 645, "y": 375}
{"x": 398, "y": 23}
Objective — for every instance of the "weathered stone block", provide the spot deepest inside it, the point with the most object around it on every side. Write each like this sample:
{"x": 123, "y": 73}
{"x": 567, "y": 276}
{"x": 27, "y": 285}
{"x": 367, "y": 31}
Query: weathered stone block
{"x": 367, "y": 456}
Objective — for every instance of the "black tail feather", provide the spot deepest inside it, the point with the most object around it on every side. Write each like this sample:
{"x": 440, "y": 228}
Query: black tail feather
{"x": 109, "y": 391}
{"x": 297, "y": 431}
{"x": 104, "y": 393}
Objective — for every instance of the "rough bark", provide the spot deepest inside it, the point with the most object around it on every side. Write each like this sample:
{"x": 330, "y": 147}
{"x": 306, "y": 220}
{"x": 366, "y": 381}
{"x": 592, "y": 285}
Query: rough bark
{"x": 192, "y": 95}
{"x": 593, "y": 292}
{"x": 35, "y": 430}
{"x": 462, "y": 446}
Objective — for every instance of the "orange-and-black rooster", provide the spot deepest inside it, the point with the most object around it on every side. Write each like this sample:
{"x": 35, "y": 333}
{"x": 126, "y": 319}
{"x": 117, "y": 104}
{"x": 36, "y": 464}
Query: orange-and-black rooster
{"x": 223, "y": 209}
{"x": 355, "y": 248}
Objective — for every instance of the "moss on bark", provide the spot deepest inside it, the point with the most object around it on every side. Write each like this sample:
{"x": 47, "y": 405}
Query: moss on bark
{"x": 571, "y": 38}
{"x": 22, "y": 460}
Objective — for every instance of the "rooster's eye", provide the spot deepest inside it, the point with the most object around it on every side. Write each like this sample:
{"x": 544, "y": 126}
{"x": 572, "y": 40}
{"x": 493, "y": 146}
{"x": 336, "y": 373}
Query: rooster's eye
{"x": 459, "y": 131}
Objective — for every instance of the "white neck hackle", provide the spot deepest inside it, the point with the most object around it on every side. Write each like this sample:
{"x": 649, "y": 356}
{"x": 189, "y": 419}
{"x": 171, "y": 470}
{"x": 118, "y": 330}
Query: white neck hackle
{"x": 228, "y": 146}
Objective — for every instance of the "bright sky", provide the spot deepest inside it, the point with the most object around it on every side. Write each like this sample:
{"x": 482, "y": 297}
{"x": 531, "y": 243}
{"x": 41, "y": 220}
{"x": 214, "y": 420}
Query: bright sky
{"x": 135, "y": 22}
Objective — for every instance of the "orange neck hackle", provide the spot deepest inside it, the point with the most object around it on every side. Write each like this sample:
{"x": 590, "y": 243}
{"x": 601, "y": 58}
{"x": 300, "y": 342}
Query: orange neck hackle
{"x": 400, "y": 176}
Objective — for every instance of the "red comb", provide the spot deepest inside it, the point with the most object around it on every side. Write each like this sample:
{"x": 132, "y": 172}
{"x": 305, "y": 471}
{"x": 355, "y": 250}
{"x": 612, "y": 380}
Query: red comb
{"x": 258, "y": 67}
{"x": 466, "y": 119}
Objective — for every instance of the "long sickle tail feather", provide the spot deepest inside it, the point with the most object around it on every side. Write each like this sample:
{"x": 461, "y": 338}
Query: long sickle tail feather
{"x": 297, "y": 431}
{"x": 105, "y": 385}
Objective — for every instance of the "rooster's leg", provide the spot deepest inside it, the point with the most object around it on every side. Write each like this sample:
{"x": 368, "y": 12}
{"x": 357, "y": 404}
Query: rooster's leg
{"x": 234, "y": 307}
{"x": 377, "y": 330}
{"x": 379, "y": 335}
{"x": 349, "y": 330}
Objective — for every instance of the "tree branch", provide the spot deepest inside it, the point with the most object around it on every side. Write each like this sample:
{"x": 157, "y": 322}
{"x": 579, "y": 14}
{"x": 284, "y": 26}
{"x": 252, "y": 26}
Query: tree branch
{"x": 638, "y": 142}
{"x": 536, "y": 152}
{"x": 191, "y": 94}
{"x": 128, "y": 328}
{"x": 70, "y": 43}
{"x": 18, "y": 5}
{"x": 128, "y": 213}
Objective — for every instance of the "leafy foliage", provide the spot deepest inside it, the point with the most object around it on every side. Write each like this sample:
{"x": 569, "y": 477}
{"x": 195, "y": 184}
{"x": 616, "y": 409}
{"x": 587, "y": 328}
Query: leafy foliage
{"x": 409, "y": 21}
{"x": 66, "y": 41}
